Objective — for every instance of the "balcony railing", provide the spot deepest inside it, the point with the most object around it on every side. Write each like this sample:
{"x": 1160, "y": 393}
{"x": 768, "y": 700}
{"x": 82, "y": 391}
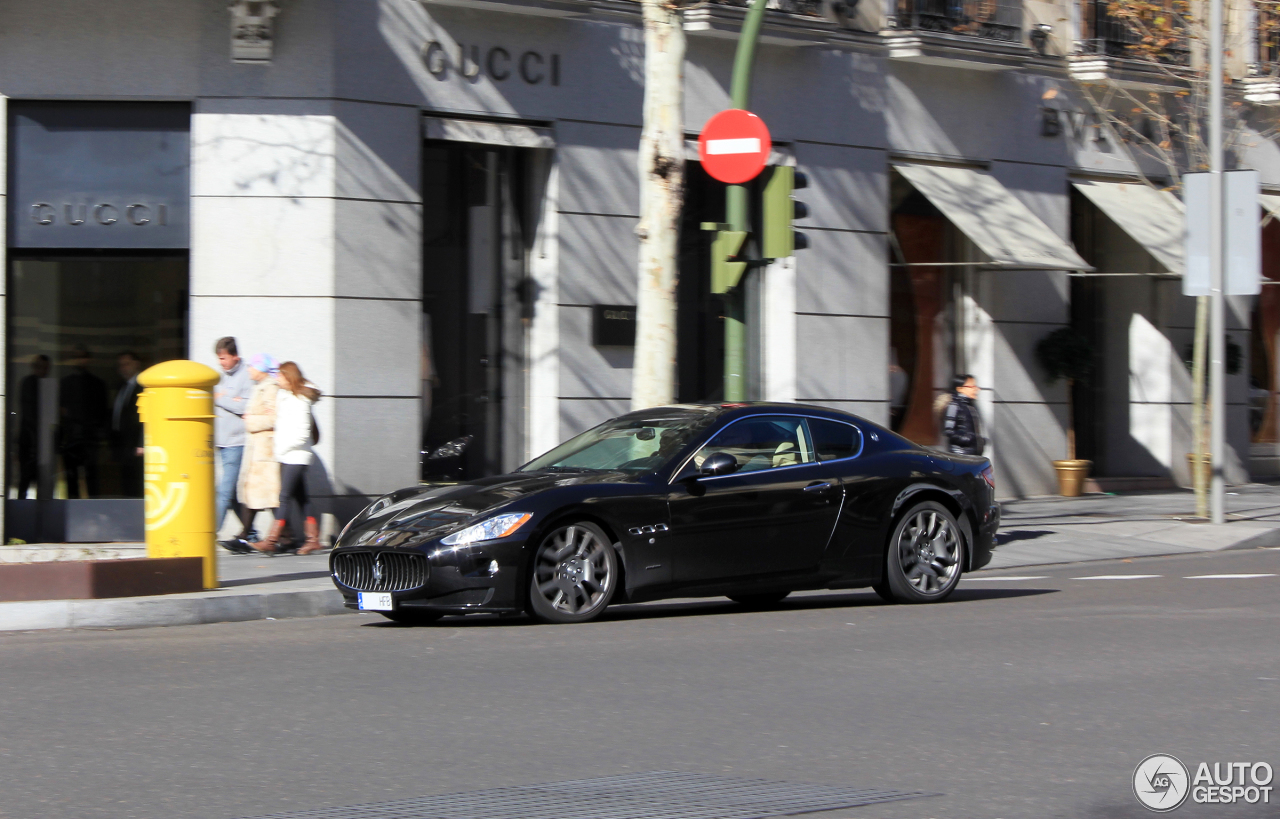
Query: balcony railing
{"x": 989, "y": 19}
{"x": 810, "y": 8}
{"x": 1106, "y": 36}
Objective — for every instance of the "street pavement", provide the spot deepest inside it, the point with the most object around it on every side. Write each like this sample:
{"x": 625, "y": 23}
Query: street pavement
{"x": 1032, "y": 693}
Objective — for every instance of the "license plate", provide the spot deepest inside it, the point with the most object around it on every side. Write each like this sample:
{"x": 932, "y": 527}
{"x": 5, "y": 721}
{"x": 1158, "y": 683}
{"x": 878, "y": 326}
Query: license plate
{"x": 375, "y": 601}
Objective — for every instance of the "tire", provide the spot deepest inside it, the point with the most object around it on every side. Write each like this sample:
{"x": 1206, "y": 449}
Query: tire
{"x": 574, "y": 574}
{"x": 410, "y": 617}
{"x": 759, "y": 601}
{"x": 925, "y": 557}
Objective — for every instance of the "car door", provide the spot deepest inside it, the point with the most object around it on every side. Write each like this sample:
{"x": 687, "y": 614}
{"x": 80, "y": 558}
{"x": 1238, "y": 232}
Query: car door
{"x": 774, "y": 514}
{"x": 872, "y": 475}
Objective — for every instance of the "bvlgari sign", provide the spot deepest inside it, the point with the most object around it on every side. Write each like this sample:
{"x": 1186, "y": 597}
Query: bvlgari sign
{"x": 99, "y": 175}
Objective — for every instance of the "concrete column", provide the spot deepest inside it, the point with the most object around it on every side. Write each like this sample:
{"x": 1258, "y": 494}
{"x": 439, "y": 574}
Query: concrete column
{"x": 543, "y": 431}
{"x": 306, "y": 244}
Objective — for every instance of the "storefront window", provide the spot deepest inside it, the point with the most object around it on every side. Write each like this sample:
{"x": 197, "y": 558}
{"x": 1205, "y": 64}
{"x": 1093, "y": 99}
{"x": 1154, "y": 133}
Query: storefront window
{"x": 79, "y": 329}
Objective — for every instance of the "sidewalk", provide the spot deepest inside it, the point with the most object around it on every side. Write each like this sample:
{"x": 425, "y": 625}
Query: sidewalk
{"x": 1038, "y": 531}
{"x": 1033, "y": 532}
{"x": 254, "y": 587}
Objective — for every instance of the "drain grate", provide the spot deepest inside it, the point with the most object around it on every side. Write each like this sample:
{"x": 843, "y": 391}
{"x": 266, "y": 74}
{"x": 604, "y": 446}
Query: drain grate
{"x": 655, "y": 795}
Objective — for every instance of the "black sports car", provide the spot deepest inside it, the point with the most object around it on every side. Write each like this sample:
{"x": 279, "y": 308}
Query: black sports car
{"x": 751, "y": 501}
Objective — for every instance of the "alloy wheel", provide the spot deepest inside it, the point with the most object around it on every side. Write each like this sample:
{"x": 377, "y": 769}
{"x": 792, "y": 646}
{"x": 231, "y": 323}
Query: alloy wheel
{"x": 573, "y": 574}
{"x": 928, "y": 551}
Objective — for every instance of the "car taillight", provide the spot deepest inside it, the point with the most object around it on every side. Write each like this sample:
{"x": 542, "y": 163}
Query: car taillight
{"x": 989, "y": 475}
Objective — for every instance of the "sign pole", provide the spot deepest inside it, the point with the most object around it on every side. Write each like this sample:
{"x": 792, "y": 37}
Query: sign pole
{"x": 1217, "y": 306}
{"x": 735, "y": 213}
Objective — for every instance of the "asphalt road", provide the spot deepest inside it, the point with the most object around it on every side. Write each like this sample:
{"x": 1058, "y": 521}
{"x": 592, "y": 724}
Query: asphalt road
{"x": 1020, "y": 698}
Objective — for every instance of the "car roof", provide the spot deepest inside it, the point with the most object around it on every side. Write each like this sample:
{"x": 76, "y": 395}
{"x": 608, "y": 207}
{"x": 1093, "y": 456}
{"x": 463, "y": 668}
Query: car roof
{"x": 737, "y": 408}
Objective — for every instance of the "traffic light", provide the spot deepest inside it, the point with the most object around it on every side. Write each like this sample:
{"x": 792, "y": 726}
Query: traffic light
{"x": 779, "y": 210}
{"x": 727, "y": 266}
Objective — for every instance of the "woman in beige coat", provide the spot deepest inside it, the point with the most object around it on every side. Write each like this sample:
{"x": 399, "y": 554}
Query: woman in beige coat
{"x": 259, "y": 486}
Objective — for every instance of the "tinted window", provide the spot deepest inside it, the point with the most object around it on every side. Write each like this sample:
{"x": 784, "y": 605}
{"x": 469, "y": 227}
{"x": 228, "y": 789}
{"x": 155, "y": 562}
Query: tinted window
{"x": 761, "y": 443}
{"x": 832, "y": 439}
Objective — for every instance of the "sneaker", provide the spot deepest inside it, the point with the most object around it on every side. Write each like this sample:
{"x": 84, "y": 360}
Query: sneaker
{"x": 237, "y": 546}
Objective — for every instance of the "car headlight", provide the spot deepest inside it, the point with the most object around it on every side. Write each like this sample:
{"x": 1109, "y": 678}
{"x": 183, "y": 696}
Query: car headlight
{"x": 498, "y": 526}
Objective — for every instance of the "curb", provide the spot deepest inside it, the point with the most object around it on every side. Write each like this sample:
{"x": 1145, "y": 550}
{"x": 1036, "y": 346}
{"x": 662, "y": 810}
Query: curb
{"x": 141, "y": 612}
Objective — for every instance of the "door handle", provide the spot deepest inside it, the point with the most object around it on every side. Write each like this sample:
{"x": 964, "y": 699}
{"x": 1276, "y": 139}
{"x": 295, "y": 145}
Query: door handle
{"x": 817, "y": 487}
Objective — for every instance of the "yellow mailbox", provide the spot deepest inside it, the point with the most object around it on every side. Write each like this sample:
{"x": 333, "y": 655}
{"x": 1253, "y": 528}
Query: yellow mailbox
{"x": 177, "y": 415}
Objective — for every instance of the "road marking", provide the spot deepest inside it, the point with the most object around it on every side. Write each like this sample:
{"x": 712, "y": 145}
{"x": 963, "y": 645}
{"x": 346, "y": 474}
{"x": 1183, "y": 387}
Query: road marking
{"x": 1224, "y": 576}
{"x": 746, "y": 145}
{"x": 998, "y": 579}
{"x": 1118, "y": 577}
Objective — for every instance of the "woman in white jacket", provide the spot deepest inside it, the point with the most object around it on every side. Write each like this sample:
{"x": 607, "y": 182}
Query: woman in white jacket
{"x": 295, "y": 433}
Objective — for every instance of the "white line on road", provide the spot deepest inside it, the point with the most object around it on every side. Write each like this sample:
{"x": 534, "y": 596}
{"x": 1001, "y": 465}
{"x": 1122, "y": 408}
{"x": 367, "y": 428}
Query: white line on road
{"x": 747, "y": 145}
{"x": 1118, "y": 577}
{"x": 996, "y": 579}
{"x": 1224, "y": 576}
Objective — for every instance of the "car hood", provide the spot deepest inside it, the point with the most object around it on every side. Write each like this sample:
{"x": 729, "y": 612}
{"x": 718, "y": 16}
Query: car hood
{"x": 423, "y": 513}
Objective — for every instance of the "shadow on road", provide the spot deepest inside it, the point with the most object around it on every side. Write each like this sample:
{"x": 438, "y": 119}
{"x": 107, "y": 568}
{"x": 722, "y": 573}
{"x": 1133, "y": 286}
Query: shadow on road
{"x": 720, "y": 606}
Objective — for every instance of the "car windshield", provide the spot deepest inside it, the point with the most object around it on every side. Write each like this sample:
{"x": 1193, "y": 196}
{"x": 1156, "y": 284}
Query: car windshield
{"x": 631, "y": 443}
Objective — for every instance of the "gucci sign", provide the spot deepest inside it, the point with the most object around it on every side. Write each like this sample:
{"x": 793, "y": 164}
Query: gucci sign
{"x": 106, "y": 213}
{"x": 496, "y": 63}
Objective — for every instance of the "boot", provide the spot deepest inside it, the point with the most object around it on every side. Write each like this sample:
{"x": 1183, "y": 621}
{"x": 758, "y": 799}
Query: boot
{"x": 268, "y": 545}
{"x": 313, "y": 538}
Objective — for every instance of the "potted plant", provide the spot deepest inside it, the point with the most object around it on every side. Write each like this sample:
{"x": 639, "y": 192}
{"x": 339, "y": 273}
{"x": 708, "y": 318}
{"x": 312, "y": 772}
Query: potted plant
{"x": 1067, "y": 353}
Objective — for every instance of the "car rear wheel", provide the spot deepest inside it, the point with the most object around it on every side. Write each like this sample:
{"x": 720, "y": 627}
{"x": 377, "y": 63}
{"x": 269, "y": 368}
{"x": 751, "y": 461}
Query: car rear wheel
{"x": 925, "y": 555}
{"x": 759, "y": 601}
{"x": 574, "y": 576}
{"x": 409, "y": 617}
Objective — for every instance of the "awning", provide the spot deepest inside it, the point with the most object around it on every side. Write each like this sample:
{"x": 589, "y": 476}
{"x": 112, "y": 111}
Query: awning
{"x": 488, "y": 133}
{"x": 1152, "y": 218}
{"x": 1270, "y": 203}
{"x": 984, "y": 210}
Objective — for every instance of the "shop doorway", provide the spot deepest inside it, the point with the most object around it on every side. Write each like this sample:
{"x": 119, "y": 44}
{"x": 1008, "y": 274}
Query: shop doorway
{"x": 699, "y": 312}
{"x": 924, "y": 287}
{"x": 479, "y": 215}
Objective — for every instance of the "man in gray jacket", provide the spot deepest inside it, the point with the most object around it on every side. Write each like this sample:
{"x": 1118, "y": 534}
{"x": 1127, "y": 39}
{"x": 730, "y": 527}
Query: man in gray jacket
{"x": 230, "y": 398}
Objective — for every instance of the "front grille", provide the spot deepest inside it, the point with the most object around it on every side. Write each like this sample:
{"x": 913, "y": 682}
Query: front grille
{"x": 380, "y": 571}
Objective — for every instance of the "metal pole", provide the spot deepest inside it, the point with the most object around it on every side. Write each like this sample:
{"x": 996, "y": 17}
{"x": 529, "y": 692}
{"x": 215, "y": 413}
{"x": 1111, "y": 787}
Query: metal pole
{"x": 1217, "y": 307}
{"x": 735, "y": 213}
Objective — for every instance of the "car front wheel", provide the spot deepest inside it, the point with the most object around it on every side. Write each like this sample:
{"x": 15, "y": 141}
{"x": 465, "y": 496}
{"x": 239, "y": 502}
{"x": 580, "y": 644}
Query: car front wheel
{"x": 924, "y": 557}
{"x": 574, "y": 576}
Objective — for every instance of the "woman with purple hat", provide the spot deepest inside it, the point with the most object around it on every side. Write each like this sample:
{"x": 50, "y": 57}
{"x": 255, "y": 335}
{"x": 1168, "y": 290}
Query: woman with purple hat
{"x": 259, "y": 486}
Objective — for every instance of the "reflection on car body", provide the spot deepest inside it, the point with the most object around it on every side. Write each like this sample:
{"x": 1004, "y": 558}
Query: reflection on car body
{"x": 751, "y": 501}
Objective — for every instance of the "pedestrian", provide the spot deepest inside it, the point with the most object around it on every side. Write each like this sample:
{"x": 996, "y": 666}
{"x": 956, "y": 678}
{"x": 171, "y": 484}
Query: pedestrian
{"x": 126, "y": 426}
{"x": 295, "y": 433}
{"x": 230, "y": 400}
{"x": 82, "y": 399}
{"x": 29, "y": 425}
{"x": 259, "y": 484}
{"x": 961, "y": 423}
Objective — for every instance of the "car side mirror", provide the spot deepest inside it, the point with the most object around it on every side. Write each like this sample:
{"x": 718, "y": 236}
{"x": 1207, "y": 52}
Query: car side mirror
{"x": 721, "y": 463}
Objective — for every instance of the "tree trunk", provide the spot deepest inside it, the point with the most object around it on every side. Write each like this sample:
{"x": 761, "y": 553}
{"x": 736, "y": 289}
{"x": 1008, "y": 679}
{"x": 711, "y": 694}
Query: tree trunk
{"x": 1198, "y": 437}
{"x": 661, "y": 196}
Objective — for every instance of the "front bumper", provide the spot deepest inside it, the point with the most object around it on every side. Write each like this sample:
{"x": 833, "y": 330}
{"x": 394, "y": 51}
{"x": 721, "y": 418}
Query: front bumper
{"x": 483, "y": 576}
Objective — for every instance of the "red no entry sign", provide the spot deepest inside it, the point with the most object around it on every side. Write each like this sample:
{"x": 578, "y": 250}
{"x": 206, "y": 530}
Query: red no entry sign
{"x": 734, "y": 146}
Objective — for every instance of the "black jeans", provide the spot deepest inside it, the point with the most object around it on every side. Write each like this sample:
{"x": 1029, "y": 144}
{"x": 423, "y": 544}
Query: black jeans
{"x": 294, "y": 496}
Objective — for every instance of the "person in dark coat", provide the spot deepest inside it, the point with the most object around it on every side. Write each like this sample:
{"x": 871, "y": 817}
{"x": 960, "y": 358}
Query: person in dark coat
{"x": 961, "y": 423}
{"x": 82, "y": 398}
{"x": 29, "y": 424}
{"x": 126, "y": 426}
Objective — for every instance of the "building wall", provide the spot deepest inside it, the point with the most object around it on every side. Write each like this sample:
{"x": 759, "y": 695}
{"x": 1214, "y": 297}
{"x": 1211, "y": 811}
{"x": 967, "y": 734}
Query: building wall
{"x": 306, "y": 211}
